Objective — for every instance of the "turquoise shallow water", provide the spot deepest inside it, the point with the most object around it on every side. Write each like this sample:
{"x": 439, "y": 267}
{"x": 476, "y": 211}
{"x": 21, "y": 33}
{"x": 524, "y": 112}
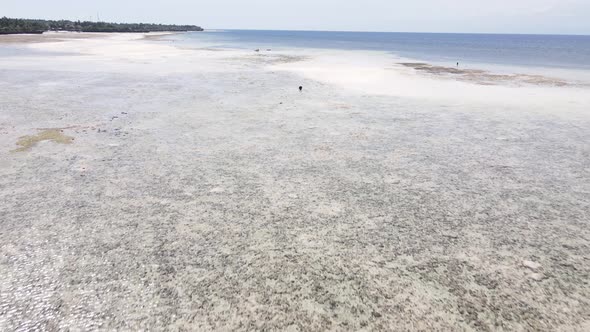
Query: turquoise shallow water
{"x": 555, "y": 51}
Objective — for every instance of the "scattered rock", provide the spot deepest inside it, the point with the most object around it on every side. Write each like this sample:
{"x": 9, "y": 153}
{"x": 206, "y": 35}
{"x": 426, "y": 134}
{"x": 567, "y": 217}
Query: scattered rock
{"x": 537, "y": 276}
{"x": 531, "y": 265}
{"x": 568, "y": 265}
{"x": 333, "y": 304}
{"x": 450, "y": 235}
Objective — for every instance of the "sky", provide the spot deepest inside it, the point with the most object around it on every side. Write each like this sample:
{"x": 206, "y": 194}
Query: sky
{"x": 470, "y": 16}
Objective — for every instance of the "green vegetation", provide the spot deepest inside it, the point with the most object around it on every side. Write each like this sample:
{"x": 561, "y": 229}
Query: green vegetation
{"x": 16, "y": 25}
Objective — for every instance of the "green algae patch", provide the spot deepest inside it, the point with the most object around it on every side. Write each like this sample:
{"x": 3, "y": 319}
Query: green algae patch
{"x": 55, "y": 135}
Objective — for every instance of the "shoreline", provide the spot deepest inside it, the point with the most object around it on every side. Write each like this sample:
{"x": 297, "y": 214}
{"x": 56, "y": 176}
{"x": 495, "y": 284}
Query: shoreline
{"x": 543, "y": 74}
{"x": 380, "y": 72}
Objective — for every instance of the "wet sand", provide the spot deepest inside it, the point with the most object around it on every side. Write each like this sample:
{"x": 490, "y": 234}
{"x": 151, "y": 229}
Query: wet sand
{"x": 486, "y": 78}
{"x": 49, "y": 37}
{"x": 203, "y": 191}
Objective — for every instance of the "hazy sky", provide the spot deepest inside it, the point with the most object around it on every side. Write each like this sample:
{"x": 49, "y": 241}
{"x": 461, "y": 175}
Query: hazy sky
{"x": 510, "y": 16}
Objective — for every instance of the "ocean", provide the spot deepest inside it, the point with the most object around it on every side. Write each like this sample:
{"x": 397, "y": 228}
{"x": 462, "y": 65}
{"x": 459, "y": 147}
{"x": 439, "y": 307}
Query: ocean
{"x": 552, "y": 51}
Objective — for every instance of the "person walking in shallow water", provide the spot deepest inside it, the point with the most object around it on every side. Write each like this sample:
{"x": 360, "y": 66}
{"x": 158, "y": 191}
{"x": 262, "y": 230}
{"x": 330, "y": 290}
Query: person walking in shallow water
{"x": 457, "y": 65}
{"x": 300, "y": 88}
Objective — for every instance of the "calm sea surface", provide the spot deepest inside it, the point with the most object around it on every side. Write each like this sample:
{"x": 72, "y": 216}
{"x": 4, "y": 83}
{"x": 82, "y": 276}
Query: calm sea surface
{"x": 556, "y": 51}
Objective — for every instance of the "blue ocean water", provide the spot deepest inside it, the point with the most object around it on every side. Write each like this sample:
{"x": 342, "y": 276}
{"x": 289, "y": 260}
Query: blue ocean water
{"x": 556, "y": 51}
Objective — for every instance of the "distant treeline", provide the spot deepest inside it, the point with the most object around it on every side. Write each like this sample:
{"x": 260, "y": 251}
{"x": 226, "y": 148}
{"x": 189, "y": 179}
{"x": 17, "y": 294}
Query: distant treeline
{"x": 17, "y": 25}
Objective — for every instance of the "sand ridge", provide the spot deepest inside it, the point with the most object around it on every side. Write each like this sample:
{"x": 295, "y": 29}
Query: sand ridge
{"x": 485, "y": 77}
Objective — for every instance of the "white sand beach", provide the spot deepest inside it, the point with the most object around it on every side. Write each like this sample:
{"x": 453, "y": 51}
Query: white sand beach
{"x": 146, "y": 185}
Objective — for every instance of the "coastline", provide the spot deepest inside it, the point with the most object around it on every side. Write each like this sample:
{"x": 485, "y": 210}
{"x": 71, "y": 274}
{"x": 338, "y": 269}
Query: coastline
{"x": 383, "y": 75}
{"x": 165, "y": 186}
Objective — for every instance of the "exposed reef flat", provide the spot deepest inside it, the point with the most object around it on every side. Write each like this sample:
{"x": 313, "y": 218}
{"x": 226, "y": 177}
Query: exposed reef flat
{"x": 204, "y": 191}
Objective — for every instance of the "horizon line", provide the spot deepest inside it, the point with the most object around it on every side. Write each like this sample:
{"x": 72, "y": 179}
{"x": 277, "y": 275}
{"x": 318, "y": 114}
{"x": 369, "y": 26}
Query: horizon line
{"x": 409, "y": 32}
{"x": 320, "y": 30}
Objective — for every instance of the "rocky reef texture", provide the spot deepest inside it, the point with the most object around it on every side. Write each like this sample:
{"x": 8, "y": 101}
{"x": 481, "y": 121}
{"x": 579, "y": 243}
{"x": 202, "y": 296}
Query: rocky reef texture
{"x": 222, "y": 198}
